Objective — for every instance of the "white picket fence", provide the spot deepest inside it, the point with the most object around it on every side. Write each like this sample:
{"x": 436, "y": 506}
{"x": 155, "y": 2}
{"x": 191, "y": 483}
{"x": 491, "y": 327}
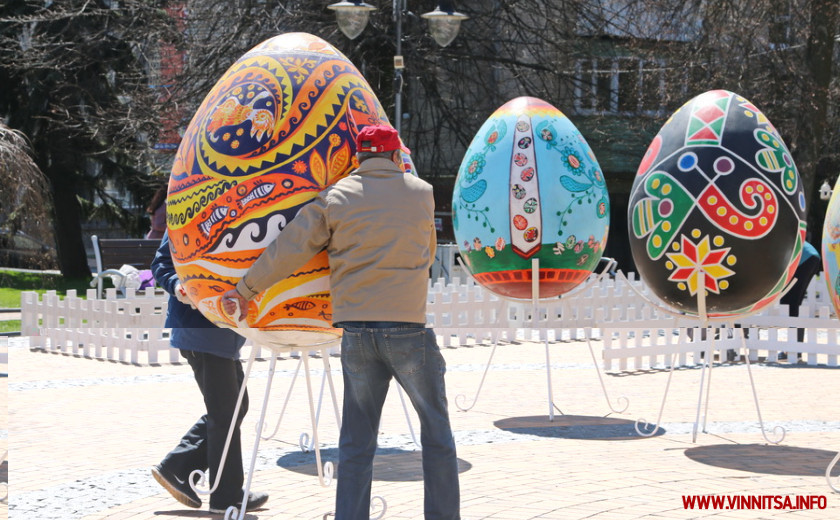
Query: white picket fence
{"x": 127, "y": 329}
{"x": 652, "y": 338}
{"x": 635, "y": 334}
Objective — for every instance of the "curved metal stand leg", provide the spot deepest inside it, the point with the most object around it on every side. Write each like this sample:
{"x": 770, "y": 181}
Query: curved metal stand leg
{"x": 661, "y": 408}
{"x": 325, "y": 473}
{"x": 830, "y": 467}
{"x": 260, "y": 423}
{"x": 603, "y": 386}
{"x": 285, "y": 402}
{"x": 459, "y": 399}
{"x": 306, "y": 441}
{"x": 374, "y": 515}
{"x": 325, "y": 356}
{"x": 777, "y": 429}
{"x": 202, "y": 475}
{"x": 707, "y": 362}
{"x": 709, "y": 383}
{"x": 373, "y": 509}
{"x": 306, "y": 444}
{"x": 551, "y": 406}
{"x": 407, "y": 416}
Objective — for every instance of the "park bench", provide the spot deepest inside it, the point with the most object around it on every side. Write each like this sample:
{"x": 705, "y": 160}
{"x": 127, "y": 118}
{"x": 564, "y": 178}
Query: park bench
{"x": 112, "y": 254}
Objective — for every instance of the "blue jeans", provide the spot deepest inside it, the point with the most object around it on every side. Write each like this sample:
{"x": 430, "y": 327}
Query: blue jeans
{"x": 372, "y": 353}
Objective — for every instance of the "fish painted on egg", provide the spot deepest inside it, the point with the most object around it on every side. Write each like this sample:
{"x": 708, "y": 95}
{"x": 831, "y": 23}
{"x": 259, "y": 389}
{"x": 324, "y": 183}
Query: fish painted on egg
{"x": 717, "y": 193}
{"x": 530, "y": 187}
{"x": 831, "y": 247}
{"x": 275, "y": 130}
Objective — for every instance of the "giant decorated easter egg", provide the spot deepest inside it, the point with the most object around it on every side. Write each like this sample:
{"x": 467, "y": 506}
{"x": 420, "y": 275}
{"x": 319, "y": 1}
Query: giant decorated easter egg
{"x": 831, "y": 247}
{"x": 717, "y": 196}
{"x": 276, "y": 129}
{"x": 529, "y": 187}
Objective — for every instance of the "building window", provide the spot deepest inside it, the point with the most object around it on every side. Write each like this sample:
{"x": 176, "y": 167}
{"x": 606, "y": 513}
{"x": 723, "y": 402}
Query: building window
{"x": 621, "y": 86}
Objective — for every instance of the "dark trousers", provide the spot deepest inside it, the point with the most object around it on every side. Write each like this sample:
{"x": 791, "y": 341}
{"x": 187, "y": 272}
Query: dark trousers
{"x": 219, "y": 380}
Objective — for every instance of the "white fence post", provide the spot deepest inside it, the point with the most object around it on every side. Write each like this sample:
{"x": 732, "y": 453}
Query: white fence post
{"x": 634, "y": 333}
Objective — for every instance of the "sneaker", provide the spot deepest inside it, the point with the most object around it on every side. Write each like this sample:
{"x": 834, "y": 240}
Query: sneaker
{"x": 178, "y": 488}
{"x": 256, "y": 499}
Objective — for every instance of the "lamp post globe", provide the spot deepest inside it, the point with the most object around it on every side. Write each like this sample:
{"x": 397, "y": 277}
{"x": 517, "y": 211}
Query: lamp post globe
{"x": 444, "y": 23}
{"x": 352, "y": 16}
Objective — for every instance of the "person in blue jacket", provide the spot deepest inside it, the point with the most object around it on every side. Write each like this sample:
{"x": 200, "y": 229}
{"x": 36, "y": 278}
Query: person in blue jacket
{"x": 809, "y": 266}
{"x": 213, "y": 354}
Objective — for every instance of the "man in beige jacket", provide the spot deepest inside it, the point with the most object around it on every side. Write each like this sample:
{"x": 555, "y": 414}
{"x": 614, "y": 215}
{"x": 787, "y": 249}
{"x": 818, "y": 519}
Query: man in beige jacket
{"x": 377, "y": 226}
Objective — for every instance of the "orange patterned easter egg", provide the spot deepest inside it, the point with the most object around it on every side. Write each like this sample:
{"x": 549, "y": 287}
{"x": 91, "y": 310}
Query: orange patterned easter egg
{"x": 276, "y": 129}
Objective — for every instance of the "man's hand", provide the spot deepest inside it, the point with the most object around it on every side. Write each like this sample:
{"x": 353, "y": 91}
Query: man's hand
{"x": 232, "y": 300}
{"x": 181, "y": 295}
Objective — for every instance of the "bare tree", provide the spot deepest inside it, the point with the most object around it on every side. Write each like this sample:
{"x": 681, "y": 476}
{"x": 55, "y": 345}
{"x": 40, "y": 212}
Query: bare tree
{"x": 25, "y": 208}
{"x": 75, "y": 82}
{"x": 86, "y": 86}
{"x": 619, "y": 68}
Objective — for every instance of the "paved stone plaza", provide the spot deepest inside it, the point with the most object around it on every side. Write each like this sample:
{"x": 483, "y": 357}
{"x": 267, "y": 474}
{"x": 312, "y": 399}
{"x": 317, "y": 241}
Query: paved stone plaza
{"x": 83, "y": 434}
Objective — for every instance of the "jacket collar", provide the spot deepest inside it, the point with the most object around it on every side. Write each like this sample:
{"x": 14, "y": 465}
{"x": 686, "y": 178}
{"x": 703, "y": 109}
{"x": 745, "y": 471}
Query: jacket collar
{"x": 378, "y": 166}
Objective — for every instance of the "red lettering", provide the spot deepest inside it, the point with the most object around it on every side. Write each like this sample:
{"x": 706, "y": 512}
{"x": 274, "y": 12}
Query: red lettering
{"x": 735, "y": 502}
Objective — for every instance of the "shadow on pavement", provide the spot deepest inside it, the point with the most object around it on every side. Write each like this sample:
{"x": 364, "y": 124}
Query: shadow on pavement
{"x": 764, "y": 458}
{"x": 389, "y": 464}
{"x": 573, "y": 427}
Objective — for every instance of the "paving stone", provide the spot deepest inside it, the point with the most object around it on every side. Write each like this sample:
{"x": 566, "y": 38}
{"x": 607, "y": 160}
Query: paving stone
{"x": 83, "y": 434}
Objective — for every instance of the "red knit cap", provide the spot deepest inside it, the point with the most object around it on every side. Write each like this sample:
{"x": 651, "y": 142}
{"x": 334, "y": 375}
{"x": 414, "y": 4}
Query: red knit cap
{"x": 378, "y": 138}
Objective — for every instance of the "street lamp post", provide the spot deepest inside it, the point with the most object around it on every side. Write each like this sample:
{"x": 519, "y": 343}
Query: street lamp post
{"x": 444, "y": 23}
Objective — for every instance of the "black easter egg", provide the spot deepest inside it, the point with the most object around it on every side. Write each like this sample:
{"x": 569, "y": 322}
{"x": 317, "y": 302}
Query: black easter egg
{"x": 717, "y": 206}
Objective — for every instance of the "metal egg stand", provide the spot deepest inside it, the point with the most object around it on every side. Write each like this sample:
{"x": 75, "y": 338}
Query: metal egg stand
{"x": 706, "y": 322}
{"x": 832, "y": 485}
{"x": 535, "y": 298}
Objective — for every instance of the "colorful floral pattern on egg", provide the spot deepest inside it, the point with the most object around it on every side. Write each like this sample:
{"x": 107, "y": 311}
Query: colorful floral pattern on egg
{"x": 517, "y": 188}
{"x": 275, "y": 130}
{"x": 831, "y": 247}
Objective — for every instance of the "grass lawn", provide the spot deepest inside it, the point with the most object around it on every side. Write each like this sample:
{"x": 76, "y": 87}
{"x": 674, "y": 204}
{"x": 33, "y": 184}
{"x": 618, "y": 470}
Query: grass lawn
{"x": 12, "y": 283}
{"x": 9, "y": 326}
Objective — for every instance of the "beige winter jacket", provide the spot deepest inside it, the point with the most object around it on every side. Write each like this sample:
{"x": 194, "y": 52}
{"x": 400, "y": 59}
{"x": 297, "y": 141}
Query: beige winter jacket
{"x": 378, "y": 228}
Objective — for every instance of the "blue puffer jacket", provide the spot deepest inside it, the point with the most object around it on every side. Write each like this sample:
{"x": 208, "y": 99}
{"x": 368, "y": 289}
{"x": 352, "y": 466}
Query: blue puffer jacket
{"x": 190, "y": 329}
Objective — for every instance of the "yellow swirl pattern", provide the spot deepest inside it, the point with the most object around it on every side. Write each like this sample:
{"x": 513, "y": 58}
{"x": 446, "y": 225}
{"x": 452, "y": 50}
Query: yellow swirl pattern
{"x": 277, "y": 128}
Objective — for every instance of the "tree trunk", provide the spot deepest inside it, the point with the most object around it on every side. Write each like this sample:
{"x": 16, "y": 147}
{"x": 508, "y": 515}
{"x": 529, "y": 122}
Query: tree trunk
{"x": 70, "y": 248}
{"x": 824, "y": 20}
